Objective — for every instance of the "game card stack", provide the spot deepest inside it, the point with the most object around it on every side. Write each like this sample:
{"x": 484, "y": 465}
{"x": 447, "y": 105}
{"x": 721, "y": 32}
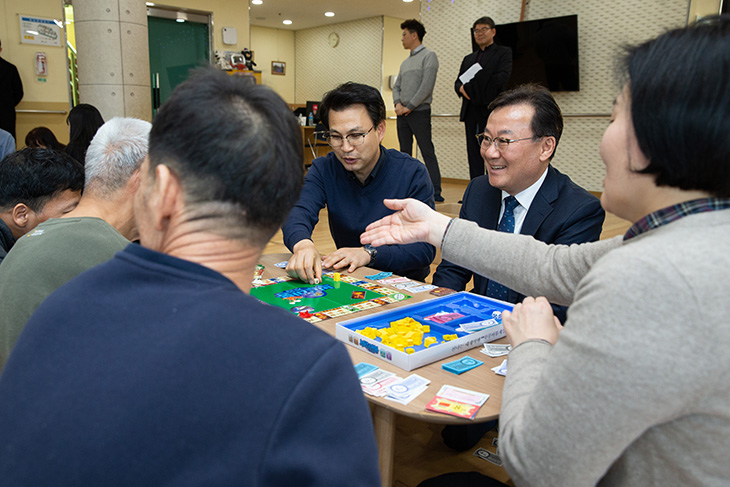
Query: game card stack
{"x": 457, "y": 402}
{"x": 381, "y": 383}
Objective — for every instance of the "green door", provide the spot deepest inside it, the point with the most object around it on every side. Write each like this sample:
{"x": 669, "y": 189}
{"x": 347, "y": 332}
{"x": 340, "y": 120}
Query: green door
{"x": 175, "y": 49}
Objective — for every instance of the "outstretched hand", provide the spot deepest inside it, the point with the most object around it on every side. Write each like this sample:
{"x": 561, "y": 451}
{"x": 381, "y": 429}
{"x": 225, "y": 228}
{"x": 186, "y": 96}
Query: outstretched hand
{"x": 530, "y": 319}
{"x": 413, "y": 221}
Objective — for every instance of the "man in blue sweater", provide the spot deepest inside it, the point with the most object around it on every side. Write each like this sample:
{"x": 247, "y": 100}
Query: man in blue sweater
{"x": 352, "y": 181}
{"x": 157, "y": 367}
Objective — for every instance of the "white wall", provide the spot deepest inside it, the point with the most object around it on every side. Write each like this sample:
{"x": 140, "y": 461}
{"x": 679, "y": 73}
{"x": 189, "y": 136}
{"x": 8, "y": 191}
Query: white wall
{"x": 358, "y": 57}
{"x": 275, "y": 45}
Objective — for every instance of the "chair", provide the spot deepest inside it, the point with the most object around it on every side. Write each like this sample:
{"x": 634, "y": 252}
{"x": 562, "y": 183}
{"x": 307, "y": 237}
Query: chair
{"x": 317, "y": 141}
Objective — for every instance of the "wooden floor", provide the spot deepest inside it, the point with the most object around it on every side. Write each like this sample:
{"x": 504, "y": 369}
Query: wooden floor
{"x": 420, "y": 452}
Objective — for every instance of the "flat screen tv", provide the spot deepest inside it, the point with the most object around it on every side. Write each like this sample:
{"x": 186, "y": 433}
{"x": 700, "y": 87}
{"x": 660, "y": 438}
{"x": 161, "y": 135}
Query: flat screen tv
{"x": 544, "y": 51}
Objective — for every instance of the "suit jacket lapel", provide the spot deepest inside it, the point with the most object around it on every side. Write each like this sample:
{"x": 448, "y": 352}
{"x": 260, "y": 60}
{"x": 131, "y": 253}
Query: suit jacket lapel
{"x": 542, "y": 205}
{"x": 492, "y": 203}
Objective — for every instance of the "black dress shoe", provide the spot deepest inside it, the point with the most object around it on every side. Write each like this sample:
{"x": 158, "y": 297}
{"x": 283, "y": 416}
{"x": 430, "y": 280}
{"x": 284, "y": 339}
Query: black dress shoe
{"x": 439, "y": 199}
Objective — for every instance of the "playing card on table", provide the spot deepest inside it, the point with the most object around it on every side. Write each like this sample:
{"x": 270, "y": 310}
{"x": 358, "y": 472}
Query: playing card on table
{"x": 420, "y": 289}
{"x": 462, "y": 395}
{"x": 496, "y": 349}
{"x": 375, "y": 383}
{"x": 442, "y": 291}
{"x": 457, "y": 402}
{"x": 380, "y": 388}
{"x": 406, "y": 386}
{"x": 501, "y": 369}
{"x": 395, "y": 280}
{"x": 380, "y": 275}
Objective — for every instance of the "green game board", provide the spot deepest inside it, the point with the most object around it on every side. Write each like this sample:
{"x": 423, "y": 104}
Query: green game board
{"x": 299, "y": 297}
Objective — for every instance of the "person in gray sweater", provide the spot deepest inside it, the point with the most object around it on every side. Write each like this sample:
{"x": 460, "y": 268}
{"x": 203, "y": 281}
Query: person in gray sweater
{"x": 412, "y": 96}
{"x": 633, "y": 390}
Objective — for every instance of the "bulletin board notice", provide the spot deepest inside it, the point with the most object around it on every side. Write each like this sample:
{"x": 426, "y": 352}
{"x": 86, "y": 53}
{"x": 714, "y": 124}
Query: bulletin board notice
{"x": 37, "y": 30}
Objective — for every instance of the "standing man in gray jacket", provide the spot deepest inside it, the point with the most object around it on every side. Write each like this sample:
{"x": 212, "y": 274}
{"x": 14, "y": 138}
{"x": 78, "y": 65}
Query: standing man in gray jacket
{"x": 412, "y": 96}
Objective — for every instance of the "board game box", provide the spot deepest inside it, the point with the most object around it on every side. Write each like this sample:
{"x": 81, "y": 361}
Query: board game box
{"x": 421, "y": 333}
{"x": 330, "y": 299}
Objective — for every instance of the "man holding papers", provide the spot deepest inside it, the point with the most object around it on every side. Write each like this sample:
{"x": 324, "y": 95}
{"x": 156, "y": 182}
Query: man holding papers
{"x": 482, "y": 76}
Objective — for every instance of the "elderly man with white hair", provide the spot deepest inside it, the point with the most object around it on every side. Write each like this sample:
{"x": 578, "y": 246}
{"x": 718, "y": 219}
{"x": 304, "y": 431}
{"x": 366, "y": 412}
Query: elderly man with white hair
{"x": 101, "y": 225}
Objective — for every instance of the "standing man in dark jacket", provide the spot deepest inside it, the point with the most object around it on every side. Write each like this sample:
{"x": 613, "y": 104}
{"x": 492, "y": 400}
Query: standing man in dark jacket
{"x": 11, "y": 92}
{"x": 482, "y": 76}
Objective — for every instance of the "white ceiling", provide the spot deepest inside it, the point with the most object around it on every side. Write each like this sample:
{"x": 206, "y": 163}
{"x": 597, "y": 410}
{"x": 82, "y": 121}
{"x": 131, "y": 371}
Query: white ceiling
{"x": 310, "y": 13}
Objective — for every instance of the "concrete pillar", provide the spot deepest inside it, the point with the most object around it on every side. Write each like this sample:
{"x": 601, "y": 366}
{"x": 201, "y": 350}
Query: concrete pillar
{"x": 113, "y": 57}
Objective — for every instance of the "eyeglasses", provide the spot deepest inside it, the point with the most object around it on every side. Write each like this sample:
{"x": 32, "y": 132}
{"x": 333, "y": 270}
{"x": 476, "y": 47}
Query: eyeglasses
{"x": 482, "y": 30}
{"x": 499, "y": 142}
{"x": 354, "y": 140}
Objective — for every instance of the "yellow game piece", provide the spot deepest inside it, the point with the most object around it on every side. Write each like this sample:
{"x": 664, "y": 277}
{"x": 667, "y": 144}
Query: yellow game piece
{"x": 429, "y": 341}
{"x": 410, "y": 351}
{"x": 336, "y": 276}
{"x": 448, "y": 338}
{"x": 368, "y": 332}
{"x": 426, "y": 328}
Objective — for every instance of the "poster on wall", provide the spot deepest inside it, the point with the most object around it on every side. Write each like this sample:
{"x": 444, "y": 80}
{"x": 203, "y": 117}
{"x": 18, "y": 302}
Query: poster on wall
{"x": 37, "y": 30}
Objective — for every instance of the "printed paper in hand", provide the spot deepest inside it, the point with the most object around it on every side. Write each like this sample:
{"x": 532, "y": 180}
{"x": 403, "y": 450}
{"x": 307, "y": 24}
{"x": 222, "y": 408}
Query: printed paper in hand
{"x": 469, "y": 74}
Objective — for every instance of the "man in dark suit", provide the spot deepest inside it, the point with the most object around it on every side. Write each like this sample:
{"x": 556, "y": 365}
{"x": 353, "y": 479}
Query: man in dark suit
{"x": 550, "y": 206}
{"x": 11, "y": 92}
{"x": 521, "y": 193}
{"x": 482, "y": 76}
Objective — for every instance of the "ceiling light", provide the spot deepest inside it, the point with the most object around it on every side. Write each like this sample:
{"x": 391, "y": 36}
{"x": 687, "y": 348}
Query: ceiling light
{"x": 257, "y": 2}
{"x": 286, "y": 22}
{"x": 179, "y": 20}
{"x": 329, "y": 14}
{"x": 407, "y": 1}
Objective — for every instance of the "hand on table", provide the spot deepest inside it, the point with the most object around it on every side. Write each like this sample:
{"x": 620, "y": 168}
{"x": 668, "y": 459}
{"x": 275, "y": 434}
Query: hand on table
{"x": 305, "y": 263}
{"x": 532, "y": 318}
{"x": 413, "y": 221}
{"x": 350, "y": 257}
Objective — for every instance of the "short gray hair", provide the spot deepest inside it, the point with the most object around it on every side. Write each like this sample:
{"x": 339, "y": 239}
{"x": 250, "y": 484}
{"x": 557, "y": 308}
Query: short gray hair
{"x": 116, "y": 151}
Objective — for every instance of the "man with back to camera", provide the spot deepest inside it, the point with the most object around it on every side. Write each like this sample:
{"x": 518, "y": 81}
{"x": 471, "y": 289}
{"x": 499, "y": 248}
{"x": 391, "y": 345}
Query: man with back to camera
{"x": 11, "y": 92}
{"x": 482, "y": 76}
{"x": 162, "y": 369}
{"x": 412, "y": 96}
{"x": 35, "y": 185}
{"x": 101, "y": 225}
{"x": 352, "y": 182}
{"x": 520, "y": 186}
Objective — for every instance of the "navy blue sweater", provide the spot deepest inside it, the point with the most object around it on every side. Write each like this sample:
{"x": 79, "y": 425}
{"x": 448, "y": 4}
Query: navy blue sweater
{"x": 352, "y": 207}
{"x": 151, "y": 370}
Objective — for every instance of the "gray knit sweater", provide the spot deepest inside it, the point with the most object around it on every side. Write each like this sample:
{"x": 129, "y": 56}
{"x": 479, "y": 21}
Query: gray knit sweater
{"x": 635, "y": 391}
{"x": 417, "y": 76}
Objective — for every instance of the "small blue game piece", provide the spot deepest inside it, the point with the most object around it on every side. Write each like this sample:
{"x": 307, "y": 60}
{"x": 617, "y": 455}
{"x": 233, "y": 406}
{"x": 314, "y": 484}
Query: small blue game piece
{"x": 462, "y": 365}
{"x": 363, "y": 368}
